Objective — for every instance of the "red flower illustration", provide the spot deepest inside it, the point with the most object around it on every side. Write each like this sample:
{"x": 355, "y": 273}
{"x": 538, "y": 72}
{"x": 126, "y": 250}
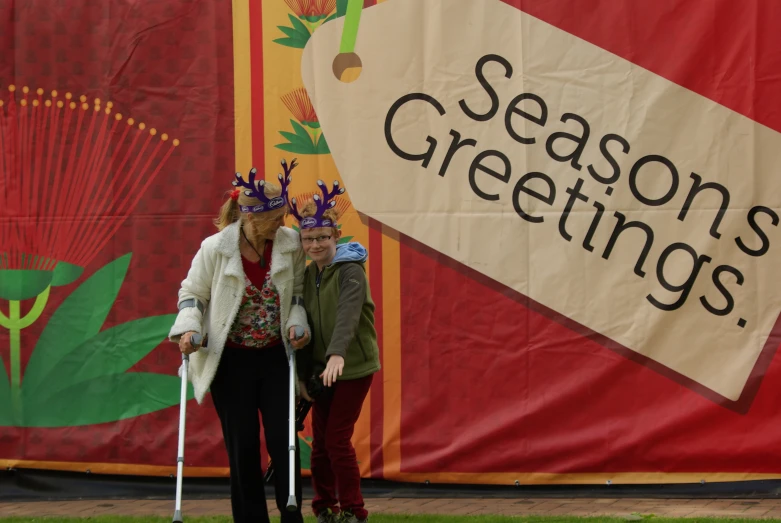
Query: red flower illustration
{"x": 72, "y": 172}
{"x": 307, "y": 137}
{"x": 300, "y": 105}
{"x": 311, "y": 9}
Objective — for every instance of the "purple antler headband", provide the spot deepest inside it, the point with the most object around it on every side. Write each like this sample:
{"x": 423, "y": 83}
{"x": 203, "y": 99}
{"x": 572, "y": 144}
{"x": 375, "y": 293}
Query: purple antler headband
{"x": 256, "y": 190}
{"x": 323, "y": 204}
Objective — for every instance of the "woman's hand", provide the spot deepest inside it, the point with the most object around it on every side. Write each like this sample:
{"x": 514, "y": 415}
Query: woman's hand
{"x": 303, "y": 392}
{"x": 333, "y": 369}
{"x": 301, "y": 342}
{"x": 185, "y": 343}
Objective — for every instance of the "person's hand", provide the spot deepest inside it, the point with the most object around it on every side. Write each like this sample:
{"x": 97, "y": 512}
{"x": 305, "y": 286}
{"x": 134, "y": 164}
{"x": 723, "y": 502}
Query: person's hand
{"x": 300, "y": 343}
{"x": 185, "y": 343}
{"x": 303, "y": 392}
{"x": 333, "y": 369}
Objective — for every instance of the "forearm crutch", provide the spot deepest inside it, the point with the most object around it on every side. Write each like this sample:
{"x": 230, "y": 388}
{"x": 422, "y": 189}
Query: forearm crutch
{"x": 302, "y": 410}
{"x": 292, "y": 504}
{"x": 196, "y": 341}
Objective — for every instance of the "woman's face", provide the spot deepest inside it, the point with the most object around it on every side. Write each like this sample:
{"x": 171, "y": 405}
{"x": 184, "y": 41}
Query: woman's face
{"x": 264, "y": 225}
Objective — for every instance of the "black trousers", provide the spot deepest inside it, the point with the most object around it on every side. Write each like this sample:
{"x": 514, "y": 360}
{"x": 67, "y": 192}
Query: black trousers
{"x": 248, "y": 381}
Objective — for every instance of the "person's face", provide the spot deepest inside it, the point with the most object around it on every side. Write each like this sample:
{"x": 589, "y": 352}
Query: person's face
{"x": 320, "y": 244}
{"x": 261, "y": 225}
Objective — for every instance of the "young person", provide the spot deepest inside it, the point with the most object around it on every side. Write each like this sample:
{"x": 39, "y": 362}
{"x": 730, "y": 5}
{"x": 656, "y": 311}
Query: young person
{"x": 343, "y": 352}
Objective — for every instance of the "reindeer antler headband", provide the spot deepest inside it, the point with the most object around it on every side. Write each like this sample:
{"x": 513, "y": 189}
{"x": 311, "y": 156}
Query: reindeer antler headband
{"x": 256, "y": 189}
{"x": 323, "y": 204}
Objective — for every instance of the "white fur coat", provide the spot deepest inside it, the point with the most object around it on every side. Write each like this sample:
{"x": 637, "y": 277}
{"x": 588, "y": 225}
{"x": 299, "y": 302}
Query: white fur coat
{"x": 216, "y": 279}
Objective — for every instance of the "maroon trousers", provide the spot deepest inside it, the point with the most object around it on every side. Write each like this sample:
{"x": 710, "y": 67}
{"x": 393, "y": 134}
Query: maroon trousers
{"x": 334, "y": 464}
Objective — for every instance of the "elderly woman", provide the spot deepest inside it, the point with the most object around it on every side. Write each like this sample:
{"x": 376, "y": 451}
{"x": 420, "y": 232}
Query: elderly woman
{"x": 243, "y": 294}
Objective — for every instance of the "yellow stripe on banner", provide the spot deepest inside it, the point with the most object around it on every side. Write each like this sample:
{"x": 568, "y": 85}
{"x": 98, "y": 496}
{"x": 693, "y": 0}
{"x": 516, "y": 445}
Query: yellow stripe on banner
{"x": 391, "y": 357}
{"x": 502, "y": 478}
{"x": 242, "y": 86}
{"x": 585, "y": 478}
{"x": 115, "y": 468}
{"x": 363, "y": 427}
{"x": 362, "y": 438}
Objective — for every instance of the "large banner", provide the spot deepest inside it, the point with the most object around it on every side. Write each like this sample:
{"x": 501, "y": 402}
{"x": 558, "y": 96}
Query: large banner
{"x": 571, "y": 210}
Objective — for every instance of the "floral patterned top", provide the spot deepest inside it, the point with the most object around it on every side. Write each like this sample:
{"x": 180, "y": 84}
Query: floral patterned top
{"x": 257, "y": 322}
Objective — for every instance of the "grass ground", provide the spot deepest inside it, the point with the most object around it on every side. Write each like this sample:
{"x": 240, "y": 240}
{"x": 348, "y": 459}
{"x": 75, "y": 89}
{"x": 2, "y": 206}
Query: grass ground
{"x": 394, "y": 518}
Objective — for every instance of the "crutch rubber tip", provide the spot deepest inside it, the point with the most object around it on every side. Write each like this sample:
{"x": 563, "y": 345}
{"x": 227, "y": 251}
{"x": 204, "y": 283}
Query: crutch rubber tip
{"x": 178, "y": 517}
{"x": 292, "y": 506}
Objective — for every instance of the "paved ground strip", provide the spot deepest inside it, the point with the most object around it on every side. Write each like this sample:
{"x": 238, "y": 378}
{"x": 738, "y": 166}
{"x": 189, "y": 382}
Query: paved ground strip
{"x": 746, "y": 508}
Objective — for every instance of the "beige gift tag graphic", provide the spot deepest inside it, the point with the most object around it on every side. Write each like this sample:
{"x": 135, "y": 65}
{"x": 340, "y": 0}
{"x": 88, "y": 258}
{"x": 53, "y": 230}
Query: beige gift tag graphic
{"x": 638, "y": 209}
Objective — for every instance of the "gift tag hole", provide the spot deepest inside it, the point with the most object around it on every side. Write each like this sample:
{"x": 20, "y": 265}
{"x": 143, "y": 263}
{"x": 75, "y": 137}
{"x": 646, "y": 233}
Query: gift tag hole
{"x": 347, "y": 67}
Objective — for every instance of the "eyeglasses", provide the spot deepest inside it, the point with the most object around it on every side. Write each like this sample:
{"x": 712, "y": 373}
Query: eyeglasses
{"x": 318, "y": 239}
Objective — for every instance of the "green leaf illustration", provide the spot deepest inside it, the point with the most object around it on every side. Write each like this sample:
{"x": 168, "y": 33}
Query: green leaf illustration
{"x": 290, "y": 42}
{"x": 78, "y": 319}
{"x": 6, "y": 417}
{"x": 341, "y": 8}
{"x": 295, "y": 148}
{"x": 112, "y": 351}
{"x": 65, "y": 274}
{"x": 302, "y": 142}
{"x": 344, "y": 239}
{"x": 289, "y": 31}
{"x": 295, "y": 144}
{"x": 322, "y": 146}
{"x": 301, "y": 132}
{"x": 333, "y": 16}
{"x": 295, "y": 139}
{"x": 104, "y": 399}
{"x": 306, "y": 453}
{"x": 297, "y": 36}
{"x": 298, "y": 25}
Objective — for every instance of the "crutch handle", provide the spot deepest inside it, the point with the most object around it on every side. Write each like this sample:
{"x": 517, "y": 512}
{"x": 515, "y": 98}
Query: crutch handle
{"x": 196, "y": 339}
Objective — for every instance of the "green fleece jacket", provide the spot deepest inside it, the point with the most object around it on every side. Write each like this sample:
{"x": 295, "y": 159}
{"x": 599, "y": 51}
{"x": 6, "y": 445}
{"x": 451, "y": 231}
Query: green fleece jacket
{"x": 340, "y": 309}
